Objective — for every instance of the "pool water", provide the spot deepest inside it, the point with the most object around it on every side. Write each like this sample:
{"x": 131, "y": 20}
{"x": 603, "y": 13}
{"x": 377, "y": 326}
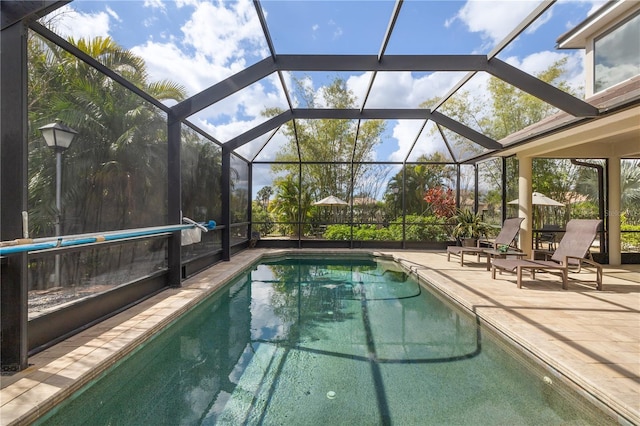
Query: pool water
{"x": 310, "y": 342}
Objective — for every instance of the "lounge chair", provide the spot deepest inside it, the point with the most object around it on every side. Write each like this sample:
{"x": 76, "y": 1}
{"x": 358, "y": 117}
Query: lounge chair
{"x": 572, "y": 252}
{"x": 507, "y": 235}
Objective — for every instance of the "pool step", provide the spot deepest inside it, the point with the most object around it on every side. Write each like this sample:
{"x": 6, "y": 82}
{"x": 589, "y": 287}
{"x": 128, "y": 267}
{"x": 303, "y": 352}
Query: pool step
{"x": 250, "y": 397}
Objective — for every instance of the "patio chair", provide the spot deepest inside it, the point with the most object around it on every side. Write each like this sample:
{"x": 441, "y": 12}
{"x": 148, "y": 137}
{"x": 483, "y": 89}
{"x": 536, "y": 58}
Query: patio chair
{"x": 572, "y": 252}
{"x": 548, "y": 236}
{"x": 507, "y": 235}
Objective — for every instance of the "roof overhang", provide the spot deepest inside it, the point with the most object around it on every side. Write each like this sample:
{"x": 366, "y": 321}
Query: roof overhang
{"x": 615, "y": 135}
{"x": 595, "y": 23}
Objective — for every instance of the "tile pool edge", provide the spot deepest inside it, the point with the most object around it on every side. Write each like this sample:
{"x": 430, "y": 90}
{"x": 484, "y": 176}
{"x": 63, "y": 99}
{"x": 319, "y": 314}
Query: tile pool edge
{"x": 573, "y": 380}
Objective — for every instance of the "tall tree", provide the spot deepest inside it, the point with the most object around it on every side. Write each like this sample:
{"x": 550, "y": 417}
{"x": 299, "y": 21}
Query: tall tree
{"x": 114, "y": 173}
{"x": 502, "y": 111}
{"x": 418, "y": 178}
{"x": 513, "y": 109}
{"x": 331, "y": 141}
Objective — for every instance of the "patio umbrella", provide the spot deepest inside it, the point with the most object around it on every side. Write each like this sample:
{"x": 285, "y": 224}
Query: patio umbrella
{"x": 330, "y": 201}
{"x": 539, "y": 199}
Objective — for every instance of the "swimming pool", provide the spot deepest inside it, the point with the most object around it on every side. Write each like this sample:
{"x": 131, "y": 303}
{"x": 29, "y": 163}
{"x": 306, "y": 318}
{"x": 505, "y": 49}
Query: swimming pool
{"x": 304, "y": 341}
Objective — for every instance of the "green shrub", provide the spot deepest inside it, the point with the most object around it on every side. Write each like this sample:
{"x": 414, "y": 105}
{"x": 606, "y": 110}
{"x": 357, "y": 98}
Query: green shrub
{"x": 630, "y": 240}
{"x": 261, "y": 219}
{"x": 371, "y": 232}
{"x": 337, "y": 232}
{"x": 584, "y": 210}
{"x": 420, "y": 228}
{"x": 360, "y": 233}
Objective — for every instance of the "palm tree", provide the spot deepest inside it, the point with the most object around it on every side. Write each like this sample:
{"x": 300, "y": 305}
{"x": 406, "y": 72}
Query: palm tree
{"x": 201, "y": 172}
{"x": 629, "y": 187}
{"x": 264, "y": 195}
{"x": 290, "y": 205}
{"x": 116, "y": 168}
{"x": 114, "y": 174}
{"x": 418, "y": 179}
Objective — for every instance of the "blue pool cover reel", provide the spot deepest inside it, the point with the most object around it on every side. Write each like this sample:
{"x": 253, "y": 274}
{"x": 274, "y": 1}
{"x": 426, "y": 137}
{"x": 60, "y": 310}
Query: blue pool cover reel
{"x": 32, "y": 245}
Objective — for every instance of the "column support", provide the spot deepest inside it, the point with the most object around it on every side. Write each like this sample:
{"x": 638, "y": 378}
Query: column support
{"x": 174, "y": 200}
{"x": 225, "y": 200}
{"x": 504, "y": 188}
{"x": 613, "y": 211}
{"x": 525, "y": 206}
{"x": 13, "y": 195}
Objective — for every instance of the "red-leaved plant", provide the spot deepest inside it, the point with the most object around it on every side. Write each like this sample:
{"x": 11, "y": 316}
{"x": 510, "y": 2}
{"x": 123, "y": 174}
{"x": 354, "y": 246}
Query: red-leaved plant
{"x": 441, "y": 201}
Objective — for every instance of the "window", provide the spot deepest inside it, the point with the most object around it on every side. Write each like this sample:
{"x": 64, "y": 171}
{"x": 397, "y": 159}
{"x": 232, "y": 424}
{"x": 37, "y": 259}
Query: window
{"x": 617, "y": 54}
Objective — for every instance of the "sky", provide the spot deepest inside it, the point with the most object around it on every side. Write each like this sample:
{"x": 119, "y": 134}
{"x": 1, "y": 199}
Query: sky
{"x": 199, "y": 43}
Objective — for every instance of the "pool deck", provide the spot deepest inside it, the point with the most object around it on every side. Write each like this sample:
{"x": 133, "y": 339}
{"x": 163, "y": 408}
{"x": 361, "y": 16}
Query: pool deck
{"x": 589, "y": 337}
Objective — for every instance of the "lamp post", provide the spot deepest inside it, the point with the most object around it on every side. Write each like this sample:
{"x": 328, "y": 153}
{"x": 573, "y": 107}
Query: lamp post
{"x": 58, "y": 137}
{"x": 395, "y": 202}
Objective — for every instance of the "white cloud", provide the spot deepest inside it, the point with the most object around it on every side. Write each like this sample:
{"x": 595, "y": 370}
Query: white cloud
{"x": 595, "y": 5}
{"x": 148, "y": 22}
{"x": 405, "y": 132}
{"x": 183, "y": 3}
{"x": 536, "y": 62}
{"x": 240, "y": 112}
{"x": 208, "y": 54}
{"x": 113, "y": 14}
{"x": 493, "y": 19}
{"x": 166, "y": 61}
{"x": 404, "y": 90}
{"x": 227, "y": 131}
{"x": 236, "y": 29}
{"x": 155, "y": 4}
{"x": 540, "y": 61}
{"x": 337, "y": 29}
{"x": 546, "y": 17}
{"x": 401, "y": 89}
{"x": 450, "y": 21}
{"x": 68, "y": 22}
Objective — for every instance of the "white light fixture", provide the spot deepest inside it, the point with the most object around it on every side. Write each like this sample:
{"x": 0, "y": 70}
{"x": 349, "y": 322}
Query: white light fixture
{"x": 58, "y": 136}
